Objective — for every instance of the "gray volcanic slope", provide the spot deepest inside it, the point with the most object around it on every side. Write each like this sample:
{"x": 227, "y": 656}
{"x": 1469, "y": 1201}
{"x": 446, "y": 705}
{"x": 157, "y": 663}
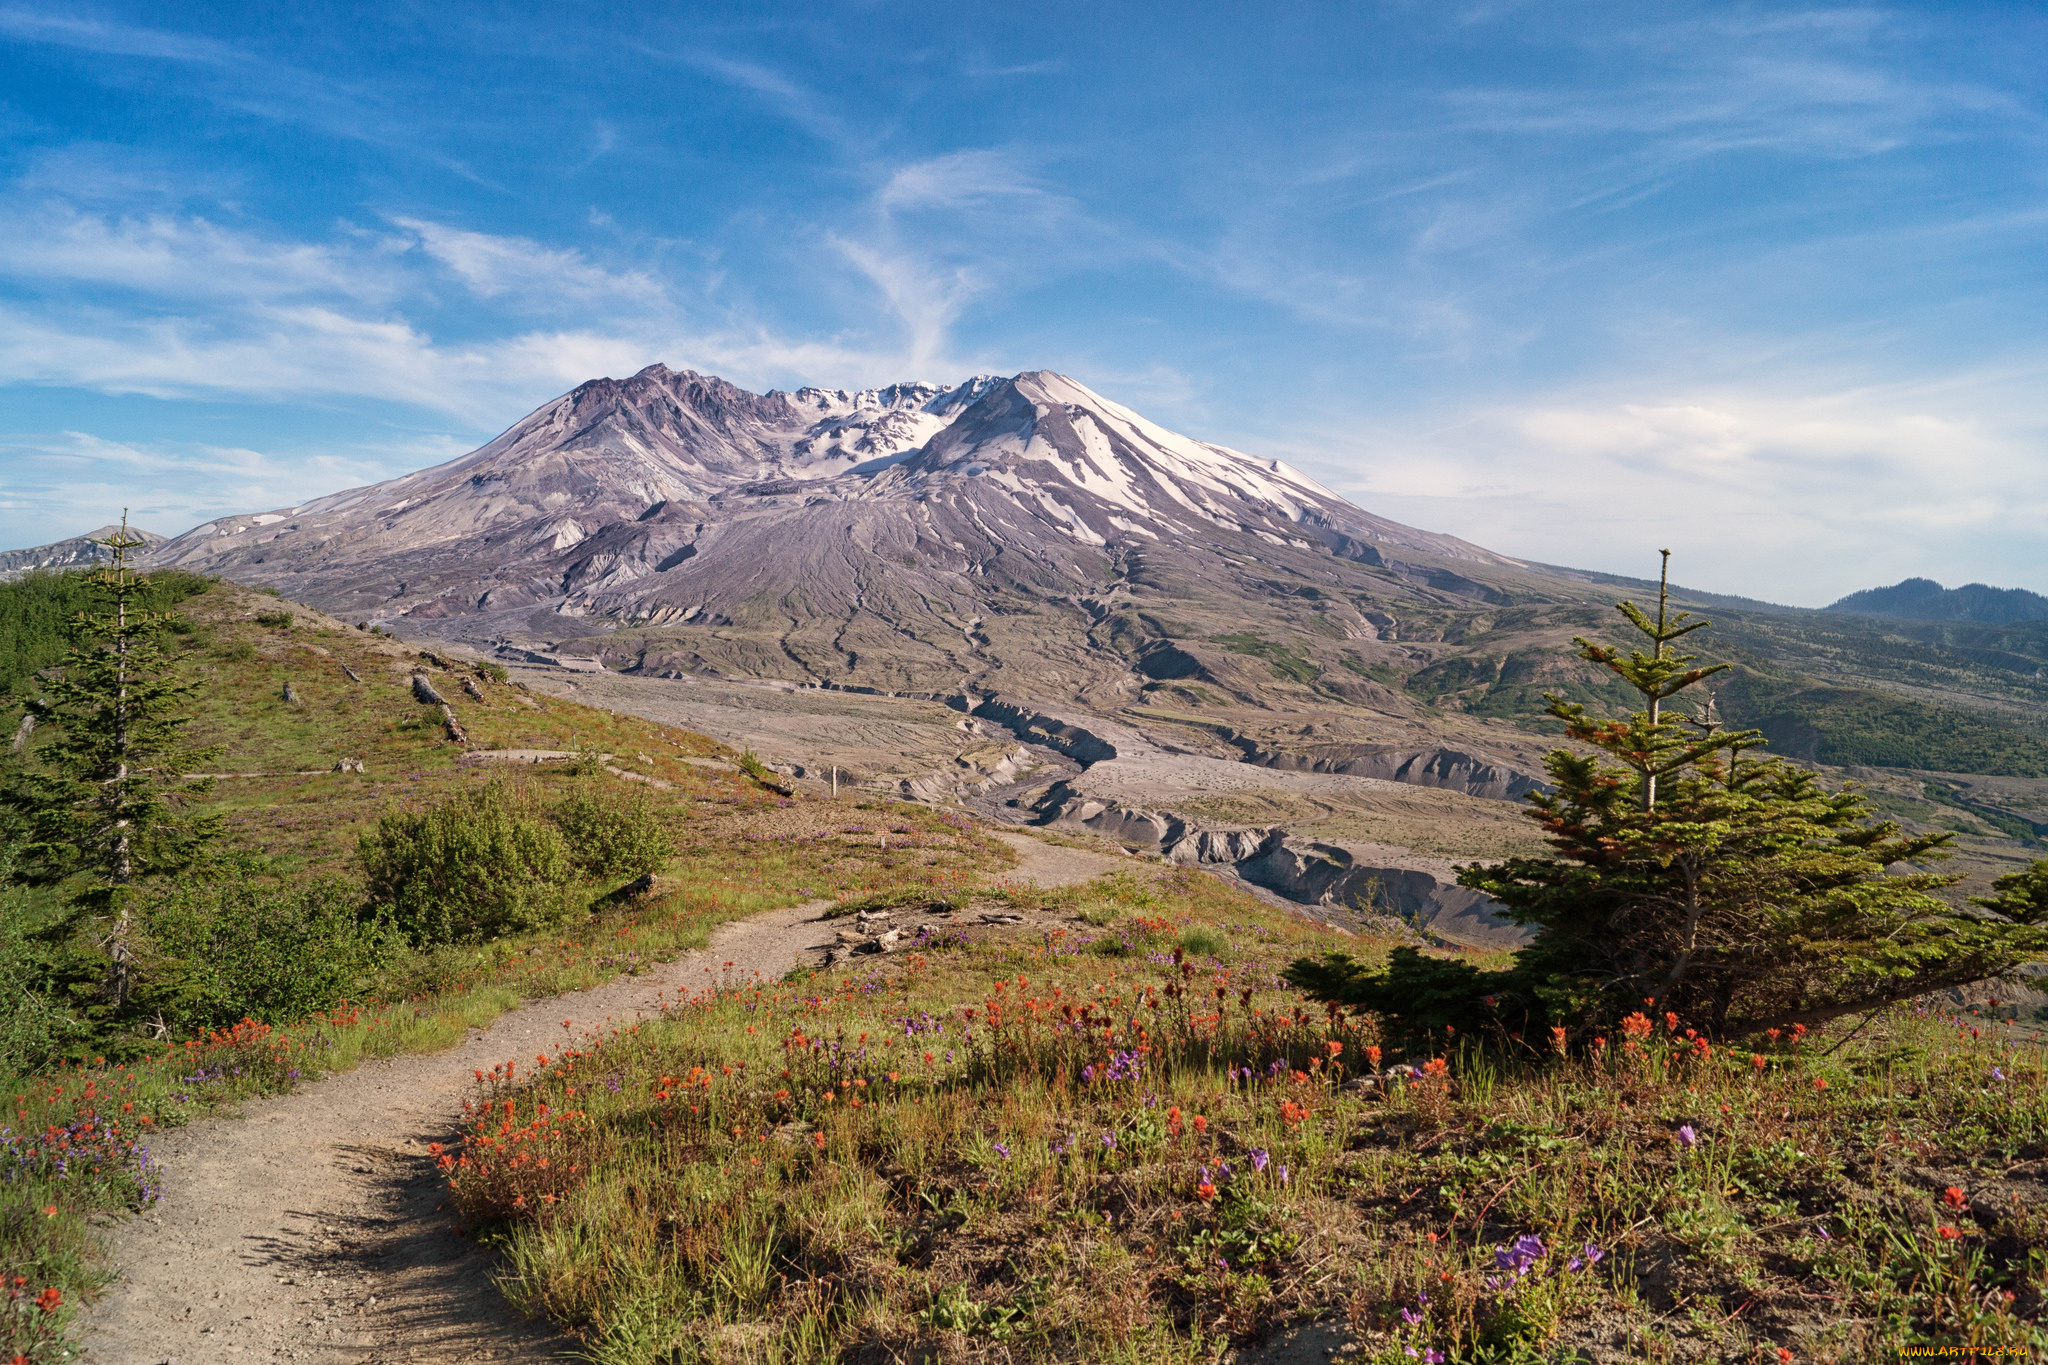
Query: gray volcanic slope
{"x": 825, "y": 535}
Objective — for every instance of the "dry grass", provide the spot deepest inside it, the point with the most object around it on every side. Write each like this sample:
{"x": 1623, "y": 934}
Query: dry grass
{"x": 931, "y": 1160}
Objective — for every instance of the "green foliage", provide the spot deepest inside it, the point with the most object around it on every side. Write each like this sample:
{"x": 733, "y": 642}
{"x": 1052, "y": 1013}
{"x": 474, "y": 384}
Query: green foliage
{"x": 34, "y": 1025}
{"x": 494, "y": 672}
{"x": 2021, "y": 897}
{"x": 1285, "y": 663}
{"x": 1857, "y": 726}
{"x": 611, "y": 832}
{"x": 275, "y": 620}
{"x": 483, "y": 863}
{"x": 39, "y": 613}
{"x": 229, "y": 947}
{"x": 1419, "y": 998}
{"x": 1735, "y": 892}
{"x": 98, "y": 796}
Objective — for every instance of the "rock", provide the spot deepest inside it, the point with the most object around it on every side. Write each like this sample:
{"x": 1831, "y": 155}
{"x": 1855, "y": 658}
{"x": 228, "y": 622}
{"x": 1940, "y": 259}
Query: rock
{"x": 291, "y": 697}
{"x": 348, "y": 765}
{"x": 888, "y": 942}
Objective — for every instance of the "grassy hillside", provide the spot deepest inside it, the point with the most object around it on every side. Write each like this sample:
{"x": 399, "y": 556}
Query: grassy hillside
{"x": 87, "y": 1096}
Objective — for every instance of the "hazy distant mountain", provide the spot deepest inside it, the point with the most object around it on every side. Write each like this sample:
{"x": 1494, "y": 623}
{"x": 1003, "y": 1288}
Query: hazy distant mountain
{"x": 66, "y": 554}
{"x": 1923, "y": 599}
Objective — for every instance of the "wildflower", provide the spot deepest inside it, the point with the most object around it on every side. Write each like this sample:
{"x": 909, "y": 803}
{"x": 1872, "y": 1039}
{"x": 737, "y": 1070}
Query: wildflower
{"x": 1820, "y": 1083}
{"x": 819, "y": 1139}
{"x": 1372, "y": 1056}
{"x": 1636, "y": 1026}
{"x": 1205, "y": 1191}
{"x": 1283, "y": 1175}
{"x": 1259, "y": 1160}
{"x": 1517, "y": 1257}
{"x": 49, "y": 1299}
{"x": 1201, "y": 1124}
{"x": 1436, "y": 1066}
{"x": 1001, "y": 1150}
{"x": 1557, "y": 1038}
{"x": 1997, "y": 1074}
{"x": 1432, "y": 1356}
{"x": 1948, "y": 1234}
{"x": 1410, "y": 1317}
{"x": 1336, "y": 1048}
{"x": 1820, "y": 1230}
{"x": 1109, "y": 1142}
{"x": 1686, "y": 1136}
{"x": 50, "y": 1211}
{"x": 1784, "y": 1356}
{"x": 1953, "y": 1197}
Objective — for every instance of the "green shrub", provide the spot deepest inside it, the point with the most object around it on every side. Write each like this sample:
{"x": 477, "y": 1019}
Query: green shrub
{"x": 611, "y": 832}
{"x": 230, "y": 947}
{"x": 34, "y": 1027}
{"x": 276, "y": 620}
{"x": 494, "y": 672}
{"x": 481, "y": 864}
{"x": 1204, "y": 943}
{"x": 240, "y": 652}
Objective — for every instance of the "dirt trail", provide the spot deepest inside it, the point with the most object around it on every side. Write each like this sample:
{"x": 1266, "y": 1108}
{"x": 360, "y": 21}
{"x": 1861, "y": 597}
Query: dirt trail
{"x": 311, "y": 1228}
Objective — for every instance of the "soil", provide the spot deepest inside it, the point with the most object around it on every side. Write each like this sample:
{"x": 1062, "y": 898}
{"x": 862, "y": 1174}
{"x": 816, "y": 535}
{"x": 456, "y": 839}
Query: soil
{"x": 311, "y": 1227}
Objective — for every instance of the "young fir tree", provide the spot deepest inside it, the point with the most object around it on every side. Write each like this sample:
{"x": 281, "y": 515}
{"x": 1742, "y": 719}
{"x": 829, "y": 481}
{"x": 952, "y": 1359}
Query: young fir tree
{"x": 103, "y": 791}
{"x": 1736, "y": 892}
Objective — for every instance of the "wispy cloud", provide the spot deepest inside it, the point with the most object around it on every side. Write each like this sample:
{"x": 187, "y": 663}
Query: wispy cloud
{"x": 1780, "y": 492}
{"x": 54, "y": 484}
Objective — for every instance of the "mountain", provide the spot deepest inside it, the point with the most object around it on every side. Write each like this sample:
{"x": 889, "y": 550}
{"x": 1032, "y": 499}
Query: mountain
{"x": 1923, "y": 599}
{"x": 74, "y": 553}
{"x": 1028, "y": 537}
{"x": 867, "y": 537}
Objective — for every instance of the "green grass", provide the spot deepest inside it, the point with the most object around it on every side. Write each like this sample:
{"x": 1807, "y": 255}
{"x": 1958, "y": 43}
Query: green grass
{"x": 1285, "y": 663}
{"x": 738, "y": 850}
{"x": 909, "y": 1161}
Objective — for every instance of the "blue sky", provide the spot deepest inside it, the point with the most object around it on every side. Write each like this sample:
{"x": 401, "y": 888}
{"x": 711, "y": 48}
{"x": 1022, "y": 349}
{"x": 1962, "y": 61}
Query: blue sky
{"x": 1763, "y": 284}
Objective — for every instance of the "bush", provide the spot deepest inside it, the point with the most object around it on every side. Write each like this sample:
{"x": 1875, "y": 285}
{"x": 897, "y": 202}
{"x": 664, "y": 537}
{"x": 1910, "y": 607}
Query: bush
{"x": 276, "y": 620}
{"x": 611, "y": 832}
{"x": 229, "y": 947}
{"x": 481, "y": 864}
{"x": 33, "y": 1026}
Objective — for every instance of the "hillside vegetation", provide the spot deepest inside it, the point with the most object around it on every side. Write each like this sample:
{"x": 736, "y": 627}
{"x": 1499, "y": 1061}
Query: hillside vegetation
{"x": 1093, "y": 1125}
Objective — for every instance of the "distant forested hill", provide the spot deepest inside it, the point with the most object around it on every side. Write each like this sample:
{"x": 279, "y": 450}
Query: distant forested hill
{"x": 1923, "y": 599}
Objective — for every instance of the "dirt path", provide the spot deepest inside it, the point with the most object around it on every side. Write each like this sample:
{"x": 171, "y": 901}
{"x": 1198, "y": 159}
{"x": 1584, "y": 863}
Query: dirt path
{"x": 311, "y": 1228}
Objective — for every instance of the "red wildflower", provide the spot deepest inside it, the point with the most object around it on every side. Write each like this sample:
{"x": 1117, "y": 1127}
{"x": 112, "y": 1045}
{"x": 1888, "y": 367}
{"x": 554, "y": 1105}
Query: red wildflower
{"x": 1953, "y": 1197}
{"x": 1948, "y": 1234}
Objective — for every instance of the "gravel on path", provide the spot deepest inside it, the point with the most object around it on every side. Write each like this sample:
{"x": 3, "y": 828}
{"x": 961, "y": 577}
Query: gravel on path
{"x": 311, "y": 1227}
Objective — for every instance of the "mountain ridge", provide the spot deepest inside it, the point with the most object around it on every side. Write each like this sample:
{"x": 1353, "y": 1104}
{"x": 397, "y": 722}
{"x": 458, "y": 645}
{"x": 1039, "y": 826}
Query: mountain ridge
{"x": 1923, "y": 599}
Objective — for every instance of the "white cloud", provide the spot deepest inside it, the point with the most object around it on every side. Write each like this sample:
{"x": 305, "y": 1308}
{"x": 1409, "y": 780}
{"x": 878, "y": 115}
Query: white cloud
{"x": 57, "y": 484}
{"x": 1790, "y": 496}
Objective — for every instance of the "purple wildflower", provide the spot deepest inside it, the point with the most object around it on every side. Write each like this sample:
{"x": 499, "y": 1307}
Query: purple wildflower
{"x": 1997, "y": 1074}
{"x": 1686, "y": 1136}
{"x": 1001, "y": 1150}
{"x": 1411, "y": 1318}
{"x": 1517, "y": 1257}
{"x": 1259, "y": 1160}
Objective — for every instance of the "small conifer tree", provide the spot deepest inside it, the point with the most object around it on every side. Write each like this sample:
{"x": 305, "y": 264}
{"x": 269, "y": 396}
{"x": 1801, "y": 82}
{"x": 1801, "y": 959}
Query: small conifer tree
{"x": 103, "y": 793}
{"x": 1739, "y": 894}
